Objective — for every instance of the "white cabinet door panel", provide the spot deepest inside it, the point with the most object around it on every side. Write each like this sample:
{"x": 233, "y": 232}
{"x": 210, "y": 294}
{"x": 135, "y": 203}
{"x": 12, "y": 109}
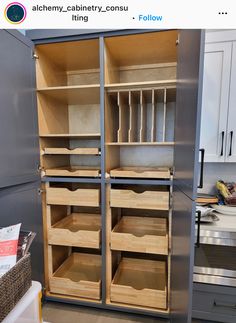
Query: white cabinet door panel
{"x": 231, "y": 131}
{"x": 216, "y": 81}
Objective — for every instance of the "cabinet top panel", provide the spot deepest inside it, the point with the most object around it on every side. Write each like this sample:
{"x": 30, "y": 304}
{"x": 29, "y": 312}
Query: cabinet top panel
{"x": 147, "y": 48}
{"x": 74, "y": 55}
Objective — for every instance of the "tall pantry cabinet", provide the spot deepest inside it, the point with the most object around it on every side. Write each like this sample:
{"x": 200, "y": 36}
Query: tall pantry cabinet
{"x": 118, "y": 121}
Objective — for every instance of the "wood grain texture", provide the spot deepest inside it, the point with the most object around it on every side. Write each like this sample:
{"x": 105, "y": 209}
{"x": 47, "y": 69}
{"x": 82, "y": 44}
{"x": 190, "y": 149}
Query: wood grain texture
{"x": 73, "y": 94}
{"x": 77, "y": 230}
{"x": 150, "y": 200}
{"x": 79, "y": 197}
{"x": 79, "y": 275}
{"x": 72, "y": 56}
{"x": 140, "y": 234}
{"x": 67, "y": 151}
{"x": 140, "y": 282}
{"x": 141, "y": 172}
{"x": 73, "y": 171}
{"x": 141, "y": 49}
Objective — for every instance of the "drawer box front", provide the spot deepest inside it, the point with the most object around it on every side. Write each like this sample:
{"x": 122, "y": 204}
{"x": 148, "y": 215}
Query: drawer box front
{"x": 219, "y": 307}
{"x": 145, "y": 244}
{"x": 80, "y": 197}
{"x": 84, "y": 289}
{"x": 151, "y": 200}
{"x": 144, "y": 297}
{"x": 82, "y": 238}
{"x": 72, "y": 172}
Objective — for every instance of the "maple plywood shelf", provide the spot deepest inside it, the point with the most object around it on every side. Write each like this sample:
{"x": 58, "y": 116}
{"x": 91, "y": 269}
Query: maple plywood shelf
{"x": 140, "y": 234}
{"x": 140, "y": 282}
{"x": 76, "y": 171}
{"x": 140, "y": 143}
{"x": 79, "y": 275}
{"x": 78, "y": 230}
{"x": 140, "y": 85}
{"x": 76, "y": 94}
{"x": 70, "y": 135}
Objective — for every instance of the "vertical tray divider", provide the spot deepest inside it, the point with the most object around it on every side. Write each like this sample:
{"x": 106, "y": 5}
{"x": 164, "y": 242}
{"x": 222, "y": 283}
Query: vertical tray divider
{"x": 153, "y": 127}
{"x": 142, "y": 130}
{"x": 164, "y": 117}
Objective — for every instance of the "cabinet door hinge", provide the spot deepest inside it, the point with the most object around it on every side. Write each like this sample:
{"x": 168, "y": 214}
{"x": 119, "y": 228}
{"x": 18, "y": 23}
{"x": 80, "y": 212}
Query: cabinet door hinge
{"x": 177, "y": 40}
{"x": 40, "y": 191}
{"x": 34, "y": 55}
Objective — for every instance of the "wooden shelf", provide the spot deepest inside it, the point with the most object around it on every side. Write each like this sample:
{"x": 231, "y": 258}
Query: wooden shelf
{"x": 79, "y": 197}
{"x": 140, "y": 234}
{"x": 140, "y": 282}
{"x": 141, "y": 172}
{"x": 73, "y": 171}
{"x": 150, "y": 200}
{"x": 74, "y": 94}
{"x": 79, "y": 275}
{"x": 77, "y": 230}
{"x": 70, "y": 135}
{"x": 140, "y": 85}
{"x": 68, "y": 151}
{"x": 170, "y": 143}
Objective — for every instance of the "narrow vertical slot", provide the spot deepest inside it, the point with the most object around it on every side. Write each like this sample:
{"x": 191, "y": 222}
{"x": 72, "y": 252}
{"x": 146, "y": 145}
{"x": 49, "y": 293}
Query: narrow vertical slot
{"x": 164, "y": 117}
{"x": 153, "y": 126}
{"x": 142, "y": 130}
{"x": 133, "y": 117}
{"x": 122, "y": 99}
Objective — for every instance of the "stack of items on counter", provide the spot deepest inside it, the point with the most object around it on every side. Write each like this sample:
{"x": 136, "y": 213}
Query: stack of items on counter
{"x": 227, "y": 193}
{"x": 204, "y": 202}
{"x": 224, "y": 202}
{"x": 15, "y": 266}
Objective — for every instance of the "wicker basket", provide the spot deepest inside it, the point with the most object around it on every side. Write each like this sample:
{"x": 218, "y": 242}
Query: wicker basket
{"x": 14, "y": 284}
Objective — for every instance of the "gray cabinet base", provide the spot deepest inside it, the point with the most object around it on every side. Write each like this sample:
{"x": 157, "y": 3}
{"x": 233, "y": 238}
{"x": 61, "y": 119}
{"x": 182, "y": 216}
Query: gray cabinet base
{"x": 215, "y": 303}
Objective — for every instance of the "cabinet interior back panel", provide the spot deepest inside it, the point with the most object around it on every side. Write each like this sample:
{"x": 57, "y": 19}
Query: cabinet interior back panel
{"x": 146, "y": 156}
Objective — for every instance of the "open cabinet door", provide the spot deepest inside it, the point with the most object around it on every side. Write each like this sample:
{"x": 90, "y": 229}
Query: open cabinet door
{"x": 186, "y": 156}
{"x": 20, "y": 201}
{"x": 19, "y": 149}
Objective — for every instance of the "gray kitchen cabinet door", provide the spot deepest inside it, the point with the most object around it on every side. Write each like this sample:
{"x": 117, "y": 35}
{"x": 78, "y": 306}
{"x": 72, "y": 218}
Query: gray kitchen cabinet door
{"x": 22, "y": 204}
{"x": 186, "y": 177}
{"x": 188, "y": 110}
{"x": 19, "y": 149}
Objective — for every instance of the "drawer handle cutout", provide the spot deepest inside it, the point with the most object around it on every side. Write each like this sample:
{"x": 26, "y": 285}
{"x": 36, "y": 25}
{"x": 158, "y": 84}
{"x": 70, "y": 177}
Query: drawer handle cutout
{"x": 224, "y": 304}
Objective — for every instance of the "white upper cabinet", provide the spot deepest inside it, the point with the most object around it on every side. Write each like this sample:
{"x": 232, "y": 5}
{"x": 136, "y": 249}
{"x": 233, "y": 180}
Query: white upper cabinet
{"x": 215, "y": 101}
{"x": 231, "y": 128}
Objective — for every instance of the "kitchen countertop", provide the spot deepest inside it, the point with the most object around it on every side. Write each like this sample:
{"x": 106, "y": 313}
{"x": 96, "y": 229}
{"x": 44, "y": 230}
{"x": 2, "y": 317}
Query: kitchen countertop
{"x": 225, "y": 223}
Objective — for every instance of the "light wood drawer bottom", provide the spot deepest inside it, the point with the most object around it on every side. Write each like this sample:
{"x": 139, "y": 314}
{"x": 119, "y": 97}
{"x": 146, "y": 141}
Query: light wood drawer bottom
{"x": 140, "y": 282}
{"x": 79, "y": 275}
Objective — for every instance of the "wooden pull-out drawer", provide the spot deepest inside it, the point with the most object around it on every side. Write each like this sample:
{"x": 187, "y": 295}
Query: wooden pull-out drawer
{"x": 140, "y": 282}
{"x": 73, "y": 171}
{"x": 79, "y": 275}
{"x": 140, "y": 234}
{"x": 141, "y": 172}
{"x": 79, "y": 197}
{"x": 152, "y": 200}
{"x": 77, "y": 230}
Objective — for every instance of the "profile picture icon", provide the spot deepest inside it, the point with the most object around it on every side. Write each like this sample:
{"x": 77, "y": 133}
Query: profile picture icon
{"x": 15, "y": 13}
